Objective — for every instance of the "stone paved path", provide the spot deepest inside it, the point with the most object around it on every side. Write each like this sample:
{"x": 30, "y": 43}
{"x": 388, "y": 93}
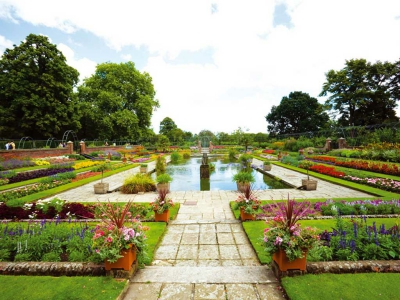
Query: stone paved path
{"x": 205, "y": 253}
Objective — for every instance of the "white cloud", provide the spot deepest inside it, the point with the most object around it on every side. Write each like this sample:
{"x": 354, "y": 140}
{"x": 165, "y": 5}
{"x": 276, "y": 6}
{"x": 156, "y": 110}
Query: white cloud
{"x": 126, "y": 56}
{"x": 254, "y": 64}
{"x": 85, "y": 66}
{"x": 4, "y": 43}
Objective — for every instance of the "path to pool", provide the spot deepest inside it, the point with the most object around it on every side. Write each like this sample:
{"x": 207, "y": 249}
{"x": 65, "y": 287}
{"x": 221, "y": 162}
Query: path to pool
{"x": 205, "y": 253}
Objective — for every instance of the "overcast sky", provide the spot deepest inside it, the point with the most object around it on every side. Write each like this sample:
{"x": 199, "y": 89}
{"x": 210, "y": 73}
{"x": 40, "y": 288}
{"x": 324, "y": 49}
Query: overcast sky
{"x": 216, "y": 65}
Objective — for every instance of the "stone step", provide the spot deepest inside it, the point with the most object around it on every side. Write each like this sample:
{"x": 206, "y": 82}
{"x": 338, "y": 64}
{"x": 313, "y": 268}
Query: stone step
{"x": 204, "y": 221}
{"x": 233, "y": 274}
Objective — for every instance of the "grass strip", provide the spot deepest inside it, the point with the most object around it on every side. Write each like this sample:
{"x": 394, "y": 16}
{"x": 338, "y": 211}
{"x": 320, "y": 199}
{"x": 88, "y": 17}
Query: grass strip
{"x": 154, "y": 236}
{"x": 60, "y": 288}
{"x": 343, "y": 286}
{"x": 360, "y": 187}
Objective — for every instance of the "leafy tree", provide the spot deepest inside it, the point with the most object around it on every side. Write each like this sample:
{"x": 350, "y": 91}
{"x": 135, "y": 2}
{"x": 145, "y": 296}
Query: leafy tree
{"x": 162, "y": 142}
{"x": 166, "y": 125}
{"x": 36, "y": 90}
{"x": 261, "y": 138}
{"x": 117, "y": 102}
{"x": 295, "y": 114}
{"x": 363, "y": 93}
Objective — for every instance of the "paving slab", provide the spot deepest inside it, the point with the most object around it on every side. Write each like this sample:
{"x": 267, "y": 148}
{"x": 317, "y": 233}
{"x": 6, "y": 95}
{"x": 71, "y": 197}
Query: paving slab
{"x": 180, "y": 274}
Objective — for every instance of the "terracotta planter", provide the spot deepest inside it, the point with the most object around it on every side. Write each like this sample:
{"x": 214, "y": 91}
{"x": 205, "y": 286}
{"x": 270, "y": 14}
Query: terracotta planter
{"x": 143, "y": 169}
{"x": 267, "y": 167}
{"x": 164, "y": 217}
{"x": 125, "y": 262}
{"x": 241, "y": 186}
{"x": 163, "y": 186}
{"x": 101, "y": 188}
{"x": 310, "y": 185}
{"x": 246, "y": 217}
{"x": 284, "y": 264}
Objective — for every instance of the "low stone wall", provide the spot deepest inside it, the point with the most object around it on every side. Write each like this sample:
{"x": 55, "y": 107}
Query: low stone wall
{"x": 52, "y": 269}
{"x": 342, "y": 267}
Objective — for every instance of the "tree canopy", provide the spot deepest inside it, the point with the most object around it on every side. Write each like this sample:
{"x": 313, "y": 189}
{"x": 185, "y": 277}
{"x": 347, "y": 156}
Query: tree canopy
{"x": 295, "y": 114}
{"x": 36, "y": 90}
{"x": 363, "y": 93}
{"x": 117, "y": 102}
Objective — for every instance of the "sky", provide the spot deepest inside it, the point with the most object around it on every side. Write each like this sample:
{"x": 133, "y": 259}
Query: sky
{"x": 216, "y": 65}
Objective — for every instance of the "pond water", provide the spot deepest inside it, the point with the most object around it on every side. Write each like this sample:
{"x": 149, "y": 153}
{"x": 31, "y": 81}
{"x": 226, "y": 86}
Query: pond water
{"x": 186, "y": 176}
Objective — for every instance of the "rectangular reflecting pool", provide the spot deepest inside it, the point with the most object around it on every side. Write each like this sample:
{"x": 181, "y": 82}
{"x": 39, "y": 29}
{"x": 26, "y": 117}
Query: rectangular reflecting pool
{"x": 186, "y": 176}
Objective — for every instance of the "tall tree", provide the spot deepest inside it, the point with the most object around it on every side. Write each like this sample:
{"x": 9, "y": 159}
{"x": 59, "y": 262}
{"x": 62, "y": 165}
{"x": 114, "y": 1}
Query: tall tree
{"x": 363, "y": 93}
{"x": 36, "y": 90}
{"x": 295, "y": 114}
{"x": 166, "y": 125}
{"x": 117, "y": 102}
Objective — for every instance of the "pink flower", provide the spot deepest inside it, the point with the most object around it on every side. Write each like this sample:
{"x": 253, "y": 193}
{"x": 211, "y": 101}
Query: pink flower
{"x": 278, "y": 241}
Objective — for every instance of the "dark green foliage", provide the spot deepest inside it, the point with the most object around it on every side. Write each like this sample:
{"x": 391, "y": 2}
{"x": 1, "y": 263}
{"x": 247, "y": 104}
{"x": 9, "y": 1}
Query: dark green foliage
{"x": 363, "y": 93}
{"x": 36, "y": 90}
{"x": 297, "y": 113}
{"x": 117, "y": 102}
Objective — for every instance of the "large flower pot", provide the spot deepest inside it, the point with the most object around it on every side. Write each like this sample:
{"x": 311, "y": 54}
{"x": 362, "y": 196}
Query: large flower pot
{"x": 143, "y": 169}
{"x": 101, "y": 188}
{"x": 245, "y": 216}
{"x": 267, "y": 167}
{"x": 241, "y": 186}
{"x": 284, "y": 264}
{"x": 309, "y": 185}
{"x": 163, "y": 186}
{"x": 163, "y": 217}
{"x": 125, "y": 262}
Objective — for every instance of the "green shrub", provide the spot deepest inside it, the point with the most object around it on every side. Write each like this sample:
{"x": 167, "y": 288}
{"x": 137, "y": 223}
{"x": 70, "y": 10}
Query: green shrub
{"x": 289, "y": 160}
{"x": 161, "y": 165}
{"x": 243, "y": 177}
{"x": 175, "y": 157}
{"x": 164, "y": 178}
{"x": 138, "y": 183}
{"x": 232, "y": 153}
{"x": 186, "y": 155}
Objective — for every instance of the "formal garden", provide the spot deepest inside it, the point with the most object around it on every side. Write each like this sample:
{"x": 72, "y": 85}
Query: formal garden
{"x": 39, "y": 228}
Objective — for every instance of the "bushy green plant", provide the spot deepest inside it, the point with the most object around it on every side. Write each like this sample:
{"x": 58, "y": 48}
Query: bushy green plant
{"x": 164, "y": 178}
{"x": 175, "y": 157}
{"x": 186, "y": 155}
{"x": 232, "y": 154}
{"x": 289, "y": 160}
{"x": 244, "y": 177}
{"x": 138, "y": 183}
{"x": 161, "y": 165}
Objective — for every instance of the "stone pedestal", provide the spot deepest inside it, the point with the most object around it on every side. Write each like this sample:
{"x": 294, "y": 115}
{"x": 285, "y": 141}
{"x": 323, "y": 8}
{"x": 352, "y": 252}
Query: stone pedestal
{"x": 204, "y": 172}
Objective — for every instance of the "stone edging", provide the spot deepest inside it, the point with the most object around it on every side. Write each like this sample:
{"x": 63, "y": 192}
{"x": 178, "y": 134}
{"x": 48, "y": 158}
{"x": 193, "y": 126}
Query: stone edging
{"x": 52, "y": 268}
{"x": 342, "y": 267}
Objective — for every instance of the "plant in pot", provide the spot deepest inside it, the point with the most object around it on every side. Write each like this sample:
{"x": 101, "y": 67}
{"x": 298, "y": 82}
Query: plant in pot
{"x": 285, "y": 239}
{"x": 243, "y": 179}
{"x": 101, "y": 187}
{"x": 307, "y": 184}
{"x": 161, "y": 206}
{"x": 163, "y": 181}
{"x": 119, "y": 237}
{"x": 143, "y": 168}
{"x": 267, "y": 165}
{"x": 248, "y": 203}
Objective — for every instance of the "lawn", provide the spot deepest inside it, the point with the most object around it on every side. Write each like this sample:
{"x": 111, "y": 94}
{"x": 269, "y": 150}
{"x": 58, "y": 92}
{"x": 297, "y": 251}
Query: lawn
{"x": 60, "y": 288}
{"x": 382, "y": 286}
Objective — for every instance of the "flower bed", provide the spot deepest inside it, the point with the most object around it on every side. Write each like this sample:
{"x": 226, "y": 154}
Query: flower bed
{"x": 23, "y": 176}
{"x": 10, "y": 164}
{"x": 390, "y": 169}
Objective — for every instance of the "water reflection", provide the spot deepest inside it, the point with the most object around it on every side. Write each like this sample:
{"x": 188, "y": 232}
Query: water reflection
{"x": 186, "y": 176}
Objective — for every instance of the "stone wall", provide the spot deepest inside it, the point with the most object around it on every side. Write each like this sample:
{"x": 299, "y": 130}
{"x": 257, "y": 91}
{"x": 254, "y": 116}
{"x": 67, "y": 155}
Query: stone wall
{"x": 341, "y": 267}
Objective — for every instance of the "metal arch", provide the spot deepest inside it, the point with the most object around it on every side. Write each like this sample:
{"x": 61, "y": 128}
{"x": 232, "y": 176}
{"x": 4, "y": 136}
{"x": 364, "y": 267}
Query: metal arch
{"x": 66, "y": 134}
{"x": 49, "y": 141}
{"x": 23, "y": 140}
{"x": 205, "y": 141}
